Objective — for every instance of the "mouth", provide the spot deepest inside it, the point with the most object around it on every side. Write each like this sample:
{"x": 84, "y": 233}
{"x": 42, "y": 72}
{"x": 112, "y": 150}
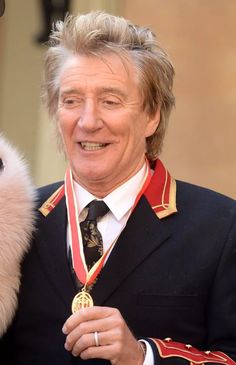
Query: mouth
{"x": 92, "y": 146}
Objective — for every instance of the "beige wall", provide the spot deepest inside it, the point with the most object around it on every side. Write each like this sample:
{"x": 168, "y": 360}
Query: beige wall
{"x": 21, "y": 118}
{"x": 200, "y": 37}
{"x": 20, "y": 63}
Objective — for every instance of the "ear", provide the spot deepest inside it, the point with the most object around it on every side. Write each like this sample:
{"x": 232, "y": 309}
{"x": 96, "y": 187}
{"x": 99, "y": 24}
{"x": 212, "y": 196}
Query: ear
{"x": 153, "y": 122}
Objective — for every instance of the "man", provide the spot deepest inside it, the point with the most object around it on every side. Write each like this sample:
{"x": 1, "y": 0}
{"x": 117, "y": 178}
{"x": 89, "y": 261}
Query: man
{"x": 162, "y": 287}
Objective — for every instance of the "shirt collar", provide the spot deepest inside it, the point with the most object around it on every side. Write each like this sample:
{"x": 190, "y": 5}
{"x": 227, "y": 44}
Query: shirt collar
{"x": 120, "y": 200}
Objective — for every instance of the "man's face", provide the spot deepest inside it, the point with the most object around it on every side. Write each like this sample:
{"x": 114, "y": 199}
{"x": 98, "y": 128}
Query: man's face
{"x": 102, "y": 122}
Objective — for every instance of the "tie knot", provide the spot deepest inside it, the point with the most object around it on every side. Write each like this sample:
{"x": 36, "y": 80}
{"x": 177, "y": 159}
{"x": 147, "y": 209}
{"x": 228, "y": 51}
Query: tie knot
{"x": 96, "y": 209}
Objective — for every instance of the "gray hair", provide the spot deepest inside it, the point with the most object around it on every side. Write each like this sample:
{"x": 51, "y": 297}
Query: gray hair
{"x": 98, "y": 33}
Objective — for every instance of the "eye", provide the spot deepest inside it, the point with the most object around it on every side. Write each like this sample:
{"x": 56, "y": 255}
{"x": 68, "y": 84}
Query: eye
{"x": 111, "y": 102}
{"x": 71, "y": 102}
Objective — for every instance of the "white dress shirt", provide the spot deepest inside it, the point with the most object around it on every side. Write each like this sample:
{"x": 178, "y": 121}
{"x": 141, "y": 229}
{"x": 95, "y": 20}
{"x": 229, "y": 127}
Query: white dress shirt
{"x": 120, "y": 203}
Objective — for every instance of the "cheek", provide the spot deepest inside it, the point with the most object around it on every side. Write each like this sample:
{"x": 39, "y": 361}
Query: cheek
{"x": 66, "y": 123}
{"x": 138, "y": 132}
{"x": 67, "y": 115}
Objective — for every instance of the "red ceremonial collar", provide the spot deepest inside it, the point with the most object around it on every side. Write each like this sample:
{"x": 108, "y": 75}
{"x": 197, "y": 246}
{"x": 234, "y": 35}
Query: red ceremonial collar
{"x": 160, "y": 193}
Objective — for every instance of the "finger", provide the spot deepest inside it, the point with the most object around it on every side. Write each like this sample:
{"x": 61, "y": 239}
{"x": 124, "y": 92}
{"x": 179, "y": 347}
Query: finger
{"x": 113, "y": 334}
{"x": 111, "y": 340}
{"x": 87, "y": 314}
{"x": 102, "y": 352}
{"x": 112, "y": 327}
{"x": 82, "y": 343}
{"x": 88, "y": 348}
{"x": 115, "y": 352}
{"x": 77, "y": 333}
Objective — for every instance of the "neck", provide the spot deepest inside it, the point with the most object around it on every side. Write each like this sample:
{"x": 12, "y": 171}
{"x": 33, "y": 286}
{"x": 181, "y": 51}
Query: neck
{"x": 101, "y": 189}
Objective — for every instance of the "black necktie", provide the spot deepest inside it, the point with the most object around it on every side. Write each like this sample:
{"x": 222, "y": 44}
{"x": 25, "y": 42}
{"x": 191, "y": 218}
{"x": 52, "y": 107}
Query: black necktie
{"x": 92, "y": 239}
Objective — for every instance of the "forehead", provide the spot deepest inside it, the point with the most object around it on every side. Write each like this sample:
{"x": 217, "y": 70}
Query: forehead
{"x": 95, "y": 70}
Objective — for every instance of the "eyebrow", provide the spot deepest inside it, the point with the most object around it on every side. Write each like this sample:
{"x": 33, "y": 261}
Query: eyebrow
{"x": 112, "y": 90}
{"x": 99, "y": 91}
{"x": 70, "y": 91}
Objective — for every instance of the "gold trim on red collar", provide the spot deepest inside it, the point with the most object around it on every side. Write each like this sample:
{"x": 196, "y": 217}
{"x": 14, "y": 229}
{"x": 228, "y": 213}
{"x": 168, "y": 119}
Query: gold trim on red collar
{"x": 161, "y": 192}
{"x": 52, "y": 201}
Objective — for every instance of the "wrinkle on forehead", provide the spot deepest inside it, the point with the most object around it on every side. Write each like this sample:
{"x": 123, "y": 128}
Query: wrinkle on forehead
{"x": 125, "y": 61}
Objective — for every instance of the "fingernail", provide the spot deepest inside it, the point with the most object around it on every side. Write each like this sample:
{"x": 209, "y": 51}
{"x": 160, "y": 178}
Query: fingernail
{"x": 64, "y": 330}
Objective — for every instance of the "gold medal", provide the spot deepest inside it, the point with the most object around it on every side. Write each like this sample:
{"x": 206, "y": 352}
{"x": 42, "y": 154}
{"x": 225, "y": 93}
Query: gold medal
{"x": 82, "y": 300}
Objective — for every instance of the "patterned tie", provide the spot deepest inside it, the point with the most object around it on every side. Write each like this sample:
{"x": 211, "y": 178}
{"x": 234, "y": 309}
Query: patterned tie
{"x": 92, "y": 239}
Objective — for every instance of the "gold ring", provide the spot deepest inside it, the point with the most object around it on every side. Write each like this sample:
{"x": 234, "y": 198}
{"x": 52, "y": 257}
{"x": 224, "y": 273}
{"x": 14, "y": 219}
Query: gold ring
{"x": 96, "y": 338}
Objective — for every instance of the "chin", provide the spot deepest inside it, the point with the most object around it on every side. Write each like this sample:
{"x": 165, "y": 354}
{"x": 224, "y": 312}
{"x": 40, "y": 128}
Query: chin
{"x": 89, "y": 174}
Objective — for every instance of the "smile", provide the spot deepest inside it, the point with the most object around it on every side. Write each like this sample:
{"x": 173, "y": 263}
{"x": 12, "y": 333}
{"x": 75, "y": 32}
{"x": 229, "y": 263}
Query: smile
{"x": 92, "y": 146}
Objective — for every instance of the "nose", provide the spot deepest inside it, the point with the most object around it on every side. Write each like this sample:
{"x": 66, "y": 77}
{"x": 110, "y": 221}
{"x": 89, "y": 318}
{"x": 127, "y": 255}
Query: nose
{"x": 89, "y": 119}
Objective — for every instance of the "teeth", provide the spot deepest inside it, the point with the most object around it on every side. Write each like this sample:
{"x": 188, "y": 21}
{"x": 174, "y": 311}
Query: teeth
{"x": 92, "y": 146}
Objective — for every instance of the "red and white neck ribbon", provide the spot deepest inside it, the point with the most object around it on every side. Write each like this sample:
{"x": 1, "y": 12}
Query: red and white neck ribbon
{"x": 78, "y": 260}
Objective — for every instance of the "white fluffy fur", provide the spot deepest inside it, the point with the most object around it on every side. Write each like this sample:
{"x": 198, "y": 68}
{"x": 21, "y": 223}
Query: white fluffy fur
{"x": 17, "y": 197}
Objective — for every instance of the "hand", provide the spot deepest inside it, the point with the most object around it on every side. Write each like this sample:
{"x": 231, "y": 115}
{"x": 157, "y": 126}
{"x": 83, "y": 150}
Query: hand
{"x": 115, "y": 340}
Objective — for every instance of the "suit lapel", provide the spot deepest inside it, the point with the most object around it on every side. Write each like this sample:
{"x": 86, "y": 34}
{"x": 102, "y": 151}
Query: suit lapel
{"x": 53, "y": 252}
{"x": 137, "y": 241}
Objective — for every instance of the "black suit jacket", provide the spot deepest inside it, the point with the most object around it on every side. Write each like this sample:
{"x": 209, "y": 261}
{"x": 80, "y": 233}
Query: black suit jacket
{"x": 172, "y": 277}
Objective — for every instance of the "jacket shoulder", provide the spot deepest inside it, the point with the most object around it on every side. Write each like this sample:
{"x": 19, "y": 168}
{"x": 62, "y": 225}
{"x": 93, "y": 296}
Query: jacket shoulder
{"x": 198, "y": 196}
{"x": 45, "y": 192}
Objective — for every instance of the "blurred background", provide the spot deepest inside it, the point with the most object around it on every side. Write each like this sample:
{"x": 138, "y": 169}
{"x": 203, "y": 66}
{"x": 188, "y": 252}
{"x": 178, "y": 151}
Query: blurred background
{"x": 199, "y": 36}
